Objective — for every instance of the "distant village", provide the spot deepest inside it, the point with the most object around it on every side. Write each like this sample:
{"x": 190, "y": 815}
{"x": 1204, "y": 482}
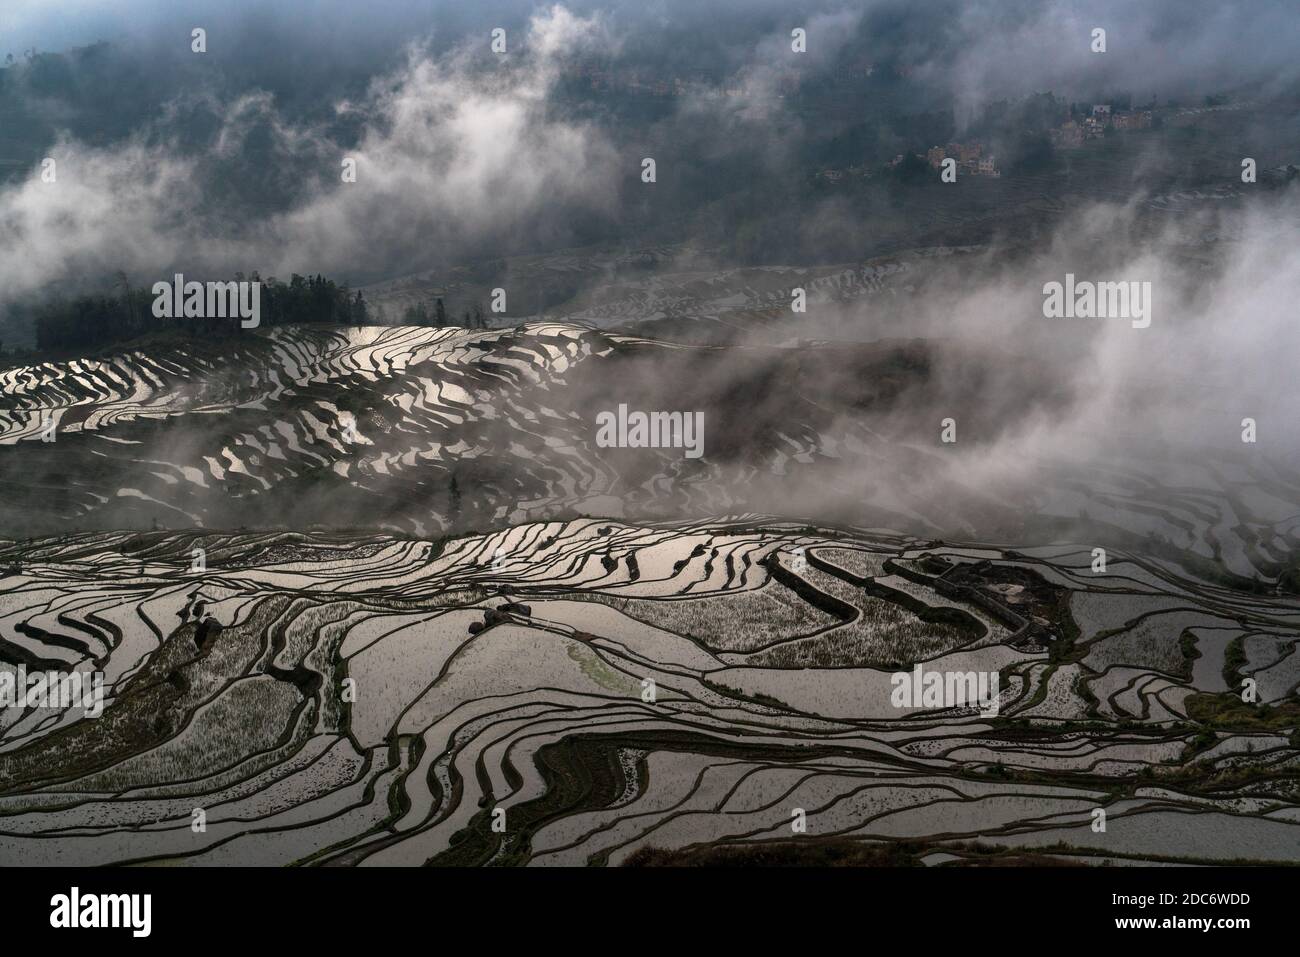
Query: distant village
{"x": 1071, "y": 134}
{"x": 972, "y": 160}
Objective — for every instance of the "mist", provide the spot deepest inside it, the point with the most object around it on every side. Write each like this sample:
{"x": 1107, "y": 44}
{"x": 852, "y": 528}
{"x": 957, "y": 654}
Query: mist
{"x": 230, "y": 160}
{"x": 463, "y": 155}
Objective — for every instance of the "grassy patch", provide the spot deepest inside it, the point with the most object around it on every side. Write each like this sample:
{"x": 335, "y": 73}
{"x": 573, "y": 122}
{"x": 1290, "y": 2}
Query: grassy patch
{"x": 1234, "y": 657}
{"x": 1227, "y": 712}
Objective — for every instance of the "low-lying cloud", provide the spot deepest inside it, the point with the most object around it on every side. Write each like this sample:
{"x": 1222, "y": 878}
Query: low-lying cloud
{"x": 455, "y": 153}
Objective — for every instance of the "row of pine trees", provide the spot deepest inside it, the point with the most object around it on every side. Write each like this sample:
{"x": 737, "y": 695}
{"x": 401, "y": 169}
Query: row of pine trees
{"x": 125, "y": 313}
{"x": 435, "y": 314}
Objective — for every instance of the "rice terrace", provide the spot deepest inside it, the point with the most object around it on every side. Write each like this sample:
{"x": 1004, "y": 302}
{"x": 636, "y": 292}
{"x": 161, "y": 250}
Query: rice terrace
{"x": 622, "y": 692}
{"x": 604, "y": 435}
